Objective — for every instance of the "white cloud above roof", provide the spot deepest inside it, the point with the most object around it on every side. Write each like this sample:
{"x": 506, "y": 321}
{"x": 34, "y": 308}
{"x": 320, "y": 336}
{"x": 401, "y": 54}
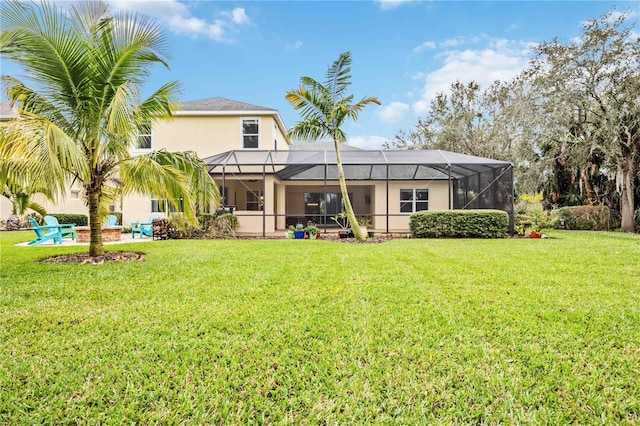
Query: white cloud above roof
{"x": 367, "y": 142}
{"x": 499, "y": 59}
{"x": 394, "y": 112}
{"x": 178, "y": 18}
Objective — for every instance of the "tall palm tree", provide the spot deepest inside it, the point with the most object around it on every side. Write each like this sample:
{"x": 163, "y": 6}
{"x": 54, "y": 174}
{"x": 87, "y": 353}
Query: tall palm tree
{"x": 324, "y": 109}
{"x": 80, "y": 111}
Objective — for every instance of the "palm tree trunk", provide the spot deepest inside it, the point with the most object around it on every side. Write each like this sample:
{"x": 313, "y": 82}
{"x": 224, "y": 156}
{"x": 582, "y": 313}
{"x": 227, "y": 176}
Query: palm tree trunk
{"x": 355, "y": 227}
{"x": 95, "y": 226}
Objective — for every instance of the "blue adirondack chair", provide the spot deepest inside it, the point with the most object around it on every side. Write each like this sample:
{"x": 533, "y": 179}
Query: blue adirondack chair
{"x": 45, "y": 233}
{"x": 66, "y": 229}
{"x": 142, "y": 228}
{"x": 110, "y": 220}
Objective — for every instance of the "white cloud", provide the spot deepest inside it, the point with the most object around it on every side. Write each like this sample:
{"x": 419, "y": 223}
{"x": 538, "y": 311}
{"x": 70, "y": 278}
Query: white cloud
{"x": 178, "y": 19}
{"x": 424, "y": 46}
{"x": 293, "y": 46}
{"x": 616, "y": 14}
{"x": 240, "y": 16}
{"x": 500, "y": 60}
{"x": 367, "y": 142}
{"x": 393, "y": 112}
{"x": 391, "y": 4}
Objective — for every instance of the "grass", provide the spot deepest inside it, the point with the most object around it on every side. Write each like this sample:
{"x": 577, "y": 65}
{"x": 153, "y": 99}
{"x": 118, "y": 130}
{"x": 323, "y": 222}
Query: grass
{"x": 304, "y": 332}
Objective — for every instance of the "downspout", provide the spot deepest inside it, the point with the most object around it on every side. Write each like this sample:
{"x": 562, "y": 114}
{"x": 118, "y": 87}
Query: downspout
{"x": 387, "y": 198}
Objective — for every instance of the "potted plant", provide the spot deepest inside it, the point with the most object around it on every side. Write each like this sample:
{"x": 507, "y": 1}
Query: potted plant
{"x": 364, "y": 223}
{"x": 343, "y": 222}
{"x": 298, "y": 232}
{"x": 312, "y": 230}
{"x": 290, "y": 232}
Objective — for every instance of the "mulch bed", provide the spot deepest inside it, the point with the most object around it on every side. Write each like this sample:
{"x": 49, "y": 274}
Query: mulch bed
{"x": 109, "y": 256}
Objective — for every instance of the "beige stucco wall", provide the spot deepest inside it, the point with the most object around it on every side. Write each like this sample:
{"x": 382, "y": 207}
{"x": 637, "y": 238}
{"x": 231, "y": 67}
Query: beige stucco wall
{"x": 213, "y": 134}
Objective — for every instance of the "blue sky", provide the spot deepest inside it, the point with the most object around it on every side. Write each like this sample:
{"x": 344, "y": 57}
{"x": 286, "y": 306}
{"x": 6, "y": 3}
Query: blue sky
{"x": 404, "y": 52}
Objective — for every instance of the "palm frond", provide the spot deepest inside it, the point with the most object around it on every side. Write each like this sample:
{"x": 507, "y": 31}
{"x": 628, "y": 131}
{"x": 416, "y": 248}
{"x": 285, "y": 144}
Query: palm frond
{"x": 171, "y": 176}
{"x": 338, "y": 76}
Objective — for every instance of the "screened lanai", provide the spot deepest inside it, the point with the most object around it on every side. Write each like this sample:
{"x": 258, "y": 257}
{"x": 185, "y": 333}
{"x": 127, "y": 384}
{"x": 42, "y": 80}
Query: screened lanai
{"x": 389, "y": 183}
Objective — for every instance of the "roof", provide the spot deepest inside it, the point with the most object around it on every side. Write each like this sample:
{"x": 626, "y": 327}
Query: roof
{"x": 219, "y": 105}
{"x": 358, "y": 164}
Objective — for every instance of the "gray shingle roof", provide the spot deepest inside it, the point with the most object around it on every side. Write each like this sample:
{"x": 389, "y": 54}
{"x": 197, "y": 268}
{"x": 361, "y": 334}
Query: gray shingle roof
{"x": 219, "y": 104}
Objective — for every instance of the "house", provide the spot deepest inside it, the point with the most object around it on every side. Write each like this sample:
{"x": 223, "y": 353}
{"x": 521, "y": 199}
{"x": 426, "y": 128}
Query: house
{"x": 270, "y": 182}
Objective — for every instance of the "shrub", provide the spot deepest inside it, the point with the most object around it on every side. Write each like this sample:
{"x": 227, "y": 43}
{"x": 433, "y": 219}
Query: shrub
{"x": 586, "y": 218}
{"x": 206, "y": 219}
{"x": 530, "y": 212}
{"x": 222, "y": 226}
{"x": 78, "y": 219}
{"x": 459, "y": 223}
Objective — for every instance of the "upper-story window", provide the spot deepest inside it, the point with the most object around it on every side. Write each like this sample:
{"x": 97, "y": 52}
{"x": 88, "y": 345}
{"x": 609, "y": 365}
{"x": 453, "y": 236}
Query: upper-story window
{"x": 250, "y": 133}
{"x": 144, "y": 139}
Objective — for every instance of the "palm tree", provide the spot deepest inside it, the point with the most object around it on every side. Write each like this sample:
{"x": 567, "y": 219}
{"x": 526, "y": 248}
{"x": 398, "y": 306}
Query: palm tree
{"x": 82, "y": 113}
{"x": 324, "y": 109}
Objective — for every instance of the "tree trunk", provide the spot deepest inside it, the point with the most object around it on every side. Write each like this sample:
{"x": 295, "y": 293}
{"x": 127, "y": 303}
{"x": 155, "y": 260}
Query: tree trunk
{"x": 355, "y": 227}
{"x": 592, "y": 197}
{"x": 627, "y": 171}
{"x": 95, "y": 226}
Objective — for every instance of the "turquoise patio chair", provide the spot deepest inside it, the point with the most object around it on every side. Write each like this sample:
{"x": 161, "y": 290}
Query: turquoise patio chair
{"x": 66, "y": 229}
{"x": 142, "y": 228}
{"x": 110, "y": 220}
{"x": 45, "y": 233}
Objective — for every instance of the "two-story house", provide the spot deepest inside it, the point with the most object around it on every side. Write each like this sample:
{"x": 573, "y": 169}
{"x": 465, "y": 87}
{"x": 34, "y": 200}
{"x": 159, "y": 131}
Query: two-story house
{"x": 270, "y": 183}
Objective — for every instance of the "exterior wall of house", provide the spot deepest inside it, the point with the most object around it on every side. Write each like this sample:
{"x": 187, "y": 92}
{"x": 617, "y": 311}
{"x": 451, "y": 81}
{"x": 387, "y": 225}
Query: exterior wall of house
{"x": 369, "y": 198}
{"x": 208, "y": 135}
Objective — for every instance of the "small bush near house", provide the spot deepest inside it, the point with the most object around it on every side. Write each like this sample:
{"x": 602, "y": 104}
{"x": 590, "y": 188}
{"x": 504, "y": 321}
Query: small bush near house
{"x": 222, "y": 226}
{"x": 78, "y": 219}
{"x": 530, "y": 212}
{"x": 206, "y": 219}
{"x": 586, "y": 218}
{"x": 459, "y": 223}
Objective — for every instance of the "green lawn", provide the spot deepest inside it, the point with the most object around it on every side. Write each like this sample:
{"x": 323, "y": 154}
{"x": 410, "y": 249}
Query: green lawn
{"x": 303, "y": 332}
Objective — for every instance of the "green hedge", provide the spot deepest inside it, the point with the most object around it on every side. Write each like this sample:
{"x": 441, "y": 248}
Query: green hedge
{"x": 586, "y": 218}
{"x": 78, "y": 219}
{"x": 459, "y": 223}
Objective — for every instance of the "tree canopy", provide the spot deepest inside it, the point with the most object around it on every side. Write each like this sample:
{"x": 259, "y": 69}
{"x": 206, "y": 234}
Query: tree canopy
{"x": 81, "y": 109}
{"x": 570, "y": 122}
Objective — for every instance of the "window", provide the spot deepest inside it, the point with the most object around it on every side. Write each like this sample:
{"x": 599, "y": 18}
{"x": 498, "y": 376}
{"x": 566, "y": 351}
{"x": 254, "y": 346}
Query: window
{"x": 74, "y": 195}
{"x": 144, "y": 139}
{"x": 250, "y": 133}
{"x": 413, "y": 200}
{"x": 275, "y": 137}
{"x": 166, "y": 206}
{"x": 255, "y": 200}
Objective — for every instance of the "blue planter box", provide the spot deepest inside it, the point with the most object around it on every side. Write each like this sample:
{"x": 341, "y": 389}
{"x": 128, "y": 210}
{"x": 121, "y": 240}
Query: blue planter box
{"x": 298, "y": 235}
